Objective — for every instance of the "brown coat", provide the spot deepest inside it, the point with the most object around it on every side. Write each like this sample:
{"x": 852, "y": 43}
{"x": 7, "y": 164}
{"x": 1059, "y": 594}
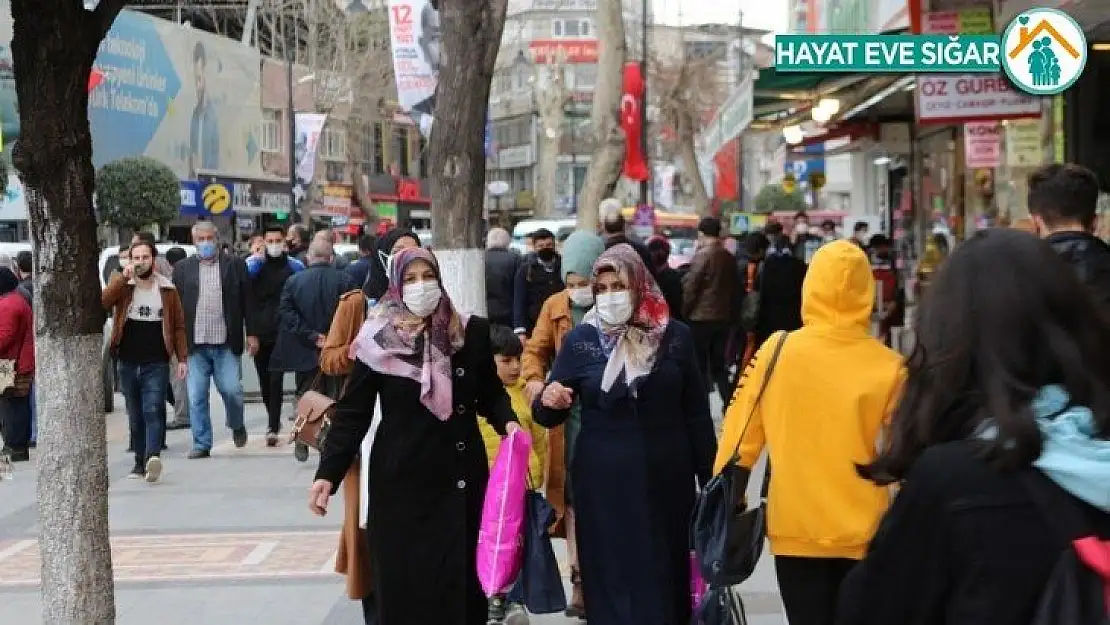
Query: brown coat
{"x": 117, "y": 295}
{"x": 552, "y": 327}
{"x": 710, "y": 288}
{"x": 353, "y": 558}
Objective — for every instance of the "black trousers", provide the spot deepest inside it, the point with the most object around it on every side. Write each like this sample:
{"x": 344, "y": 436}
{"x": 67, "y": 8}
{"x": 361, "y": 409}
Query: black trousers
{"x": 810, "y": 587}
{"x": 710, "y": 342}
{"x": 271, "y": 385}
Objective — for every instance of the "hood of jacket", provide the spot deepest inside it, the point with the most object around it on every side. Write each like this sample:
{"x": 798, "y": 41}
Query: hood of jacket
{"x": 1072, "y": 456}
{"x": 839, "y": 288}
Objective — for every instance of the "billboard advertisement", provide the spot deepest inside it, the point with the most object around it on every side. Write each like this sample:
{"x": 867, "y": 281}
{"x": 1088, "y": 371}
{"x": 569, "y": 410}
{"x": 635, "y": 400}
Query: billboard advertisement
{"x": 185, "y": 97}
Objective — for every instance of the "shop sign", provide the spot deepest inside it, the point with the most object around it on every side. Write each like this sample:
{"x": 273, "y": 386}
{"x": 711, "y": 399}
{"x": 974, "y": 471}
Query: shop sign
{"x": 1023, "y": 143}
{"x": 525, "y": 200}
{"x": 387, "y": 188}
{"x": 982, "y": 145}
{"x": 564, "y": 5}
{"x": 975, "y": 21}
{"x": 515, "y": 157}
{"x": 219, "y": 195}
{"x": 958, "y": 98}
{"x": 572, "y": 51}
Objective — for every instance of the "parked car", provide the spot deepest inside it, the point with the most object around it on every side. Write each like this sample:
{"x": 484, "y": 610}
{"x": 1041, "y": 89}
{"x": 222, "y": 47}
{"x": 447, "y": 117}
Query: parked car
{"x": 107, "y": 265}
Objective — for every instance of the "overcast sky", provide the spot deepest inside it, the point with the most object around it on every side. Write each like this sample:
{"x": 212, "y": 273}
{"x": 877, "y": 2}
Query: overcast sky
{"x": 768, "y": 14}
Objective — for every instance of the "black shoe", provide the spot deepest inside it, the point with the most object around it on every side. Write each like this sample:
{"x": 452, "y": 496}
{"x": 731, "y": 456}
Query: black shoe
{"x": 240, "y": 437}
{"x": 137, "y": 473}
{"x": 129, "y": 450}
{"x": 300, "y": 452}
{"x": 196, "y": 454}
{"x": 33, "y": 445}
{"x": 271, "y": 439}
{"x": 177, "y": 426}
{"x": 19, "y": 455}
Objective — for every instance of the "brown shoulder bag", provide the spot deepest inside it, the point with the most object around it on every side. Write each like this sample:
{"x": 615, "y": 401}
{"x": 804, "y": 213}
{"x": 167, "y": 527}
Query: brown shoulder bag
{"x": 314, "y": 414}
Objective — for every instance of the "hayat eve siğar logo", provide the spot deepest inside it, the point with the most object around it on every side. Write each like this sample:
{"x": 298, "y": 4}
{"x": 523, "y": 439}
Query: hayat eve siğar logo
{"x": 1044, "y": 51}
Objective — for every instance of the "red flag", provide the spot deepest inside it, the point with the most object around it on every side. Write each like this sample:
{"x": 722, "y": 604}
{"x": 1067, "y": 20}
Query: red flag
{"x": 95, "y": 78}
{"x": 632, "y": 100}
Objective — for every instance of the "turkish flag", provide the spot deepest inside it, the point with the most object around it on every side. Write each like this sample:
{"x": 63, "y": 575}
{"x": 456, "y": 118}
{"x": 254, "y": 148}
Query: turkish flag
{"x": 95, "y": 78}
{"x": 632, "y": 102}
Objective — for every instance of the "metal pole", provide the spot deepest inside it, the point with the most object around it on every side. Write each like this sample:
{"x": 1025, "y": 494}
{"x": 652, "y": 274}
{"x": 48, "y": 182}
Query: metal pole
{"x": 573, "y": 161}
{"x": 643, "y": 108}
{"x": 740, "y": 137}
{"x": 291, "y": 148}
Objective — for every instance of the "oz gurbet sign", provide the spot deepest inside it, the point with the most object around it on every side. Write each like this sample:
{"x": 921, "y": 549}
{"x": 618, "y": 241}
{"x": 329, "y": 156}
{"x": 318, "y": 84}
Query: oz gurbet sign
{"x": 958, "y": 98}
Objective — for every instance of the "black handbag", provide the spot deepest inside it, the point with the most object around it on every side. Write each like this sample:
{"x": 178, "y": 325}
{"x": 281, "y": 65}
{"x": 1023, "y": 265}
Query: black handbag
{"x": 726, "y": 538}
{"x": 540, "y": 586}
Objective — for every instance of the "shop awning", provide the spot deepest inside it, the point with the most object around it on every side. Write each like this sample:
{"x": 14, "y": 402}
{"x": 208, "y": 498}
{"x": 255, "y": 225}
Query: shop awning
{"x": 772, "y": 87}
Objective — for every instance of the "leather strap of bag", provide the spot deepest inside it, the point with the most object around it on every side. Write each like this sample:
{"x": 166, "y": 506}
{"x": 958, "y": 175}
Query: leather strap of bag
{"x": 759, "y": 396}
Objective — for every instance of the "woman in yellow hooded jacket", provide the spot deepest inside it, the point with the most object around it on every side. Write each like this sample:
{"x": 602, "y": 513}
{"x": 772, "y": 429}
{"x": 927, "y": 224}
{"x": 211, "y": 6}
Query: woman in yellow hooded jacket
{"x": 822, "y": 413}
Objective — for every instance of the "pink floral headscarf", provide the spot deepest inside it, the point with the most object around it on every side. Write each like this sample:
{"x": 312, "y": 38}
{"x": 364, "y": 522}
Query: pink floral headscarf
{"x": 395, "y": 342}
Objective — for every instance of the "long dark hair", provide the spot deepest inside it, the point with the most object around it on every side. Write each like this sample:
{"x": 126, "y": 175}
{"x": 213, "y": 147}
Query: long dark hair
{"x": 1003, "y": 318}
{"x": 377, "y": 281}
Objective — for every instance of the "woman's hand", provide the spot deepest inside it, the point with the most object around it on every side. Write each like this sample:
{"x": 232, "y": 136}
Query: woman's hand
{"x": 510, "y": 427}
{"x": 318, "y": 495}
{"x": 557, "y": 397}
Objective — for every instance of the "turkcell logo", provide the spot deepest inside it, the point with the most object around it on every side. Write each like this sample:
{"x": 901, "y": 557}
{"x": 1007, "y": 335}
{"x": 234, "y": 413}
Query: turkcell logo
{"x": 1043, "y": 51}
{"x": 887, "y": 53}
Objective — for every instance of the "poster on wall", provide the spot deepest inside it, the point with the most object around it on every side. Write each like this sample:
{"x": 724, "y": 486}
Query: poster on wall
{"x": 1023, "y": 143}
{"x": 309, "y": 126}
{"x": 416, "y": 42}
{"x": 982, "y": 145}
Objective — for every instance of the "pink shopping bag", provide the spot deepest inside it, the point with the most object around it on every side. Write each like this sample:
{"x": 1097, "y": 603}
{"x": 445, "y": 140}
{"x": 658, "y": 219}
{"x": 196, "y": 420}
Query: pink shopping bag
{"x": 698, "y": 587}
{"x": 501, "y": 533}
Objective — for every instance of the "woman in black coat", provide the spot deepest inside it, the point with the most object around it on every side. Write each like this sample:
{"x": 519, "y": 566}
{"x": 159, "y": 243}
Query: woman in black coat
{"x": 432, "y": 370}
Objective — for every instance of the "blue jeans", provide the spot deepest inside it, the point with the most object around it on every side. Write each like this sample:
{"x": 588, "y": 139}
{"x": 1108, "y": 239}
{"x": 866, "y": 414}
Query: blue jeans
{"x": 218, "y": 363}
{"x": 144, "y": 394}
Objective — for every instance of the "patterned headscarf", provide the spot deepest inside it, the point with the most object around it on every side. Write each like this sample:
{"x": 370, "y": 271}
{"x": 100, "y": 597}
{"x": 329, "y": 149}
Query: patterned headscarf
{"x": 633, "y": 346}
{"x": 395, "y": 342}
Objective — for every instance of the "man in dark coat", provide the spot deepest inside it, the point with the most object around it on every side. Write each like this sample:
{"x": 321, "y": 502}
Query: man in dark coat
{"x": 1063, "y": 200}
{"x": 308, "y": 302}
{"x": 268, "y": 273}
{"x": 502, "y": 265}
{"x": 538, "y": 278}
{"x": 360, "y": 269}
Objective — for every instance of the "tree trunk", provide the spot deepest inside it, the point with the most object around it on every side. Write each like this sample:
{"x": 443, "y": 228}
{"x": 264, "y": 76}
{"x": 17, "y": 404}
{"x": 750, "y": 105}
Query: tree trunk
{"x": 361, "y": 193}
{"x": 605, "y": 165}
{"x": 53, "y": 48}
{"x": 456, "y": 147}
{"x": 552, "y": 97}
{"x": 689, "y": 155}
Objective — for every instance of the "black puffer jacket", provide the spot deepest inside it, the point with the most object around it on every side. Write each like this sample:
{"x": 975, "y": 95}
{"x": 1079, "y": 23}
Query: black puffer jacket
{"x": 501, "y": 267}
{"x": 1090, "y": 257}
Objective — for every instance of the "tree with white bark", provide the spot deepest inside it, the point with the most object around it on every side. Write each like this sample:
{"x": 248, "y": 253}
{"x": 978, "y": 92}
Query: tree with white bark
{"x": 684, "y": 90}
{"x": 53, "y": 46}
{"x": 471, "y": 39}
{"x": 551, "y": 95}
{"x": 605, "y": 165}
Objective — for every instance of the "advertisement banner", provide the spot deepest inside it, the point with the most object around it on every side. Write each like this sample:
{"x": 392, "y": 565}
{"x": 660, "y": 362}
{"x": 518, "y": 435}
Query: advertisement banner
{"x": 416, "y": 42}
{"x": 982, "y": 145}
{"x": 309, "y": 126}
{"x": 185, "y": 97}
{"x": 730, "y": 121}
{"x": 958, "y": 98}
{"x": 1024, "y": 143}
{"x": 568, "y": 51}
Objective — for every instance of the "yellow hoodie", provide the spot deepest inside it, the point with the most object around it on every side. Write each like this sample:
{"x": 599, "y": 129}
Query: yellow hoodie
{"x": 823, "y": 411}
{"x": 537, "y": 463}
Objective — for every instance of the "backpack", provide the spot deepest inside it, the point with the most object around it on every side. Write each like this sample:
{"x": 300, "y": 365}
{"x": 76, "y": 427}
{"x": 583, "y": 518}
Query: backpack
{"x": 1077, "y": 591}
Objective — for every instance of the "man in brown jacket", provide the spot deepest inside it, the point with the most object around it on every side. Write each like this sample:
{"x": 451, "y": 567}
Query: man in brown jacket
{"x": 148, "y": 330}
{"x": 709, "y": 294}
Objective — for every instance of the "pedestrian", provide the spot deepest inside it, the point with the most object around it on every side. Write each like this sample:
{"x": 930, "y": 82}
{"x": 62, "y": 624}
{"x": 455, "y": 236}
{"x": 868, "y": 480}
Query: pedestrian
{"x": 502, "y": 265}
{"x": 178, "y": 393}
{"x": 779, "y": 282}
{"x": 328, "y": 236}
{"x": 537, "y": 279}
{"x": 432, "y": 370}
{"x": 308, "y": 303}
{"x": 647, "y": 440}
{"x": 268, "y": 272}
{"x": 560, "y": 313}
{"x": 669, "y": 280}
{"x": 824, "y": 401}
{"x": 507, "y": 351}
{"x": 859, "y": 234}
{"x": 24, "y": 270}
{"x": 353, "y": 556}
{"x": 360, "y": 269}
{"x": 148, "y": 327}
{"x": 804, "y": 243}
{"x": 710, "y": 293}
{"x": 214, "y": 291}
{"x": 1005, "y": 407}
{"x": 1063, "y": 201}
{"x": 17, "y": 345}
{"x": 161, "y": 264}
{"x": 296, "y": 242}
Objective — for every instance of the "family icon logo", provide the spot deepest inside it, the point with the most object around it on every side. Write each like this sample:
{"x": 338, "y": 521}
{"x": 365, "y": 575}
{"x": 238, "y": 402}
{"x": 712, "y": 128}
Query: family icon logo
{"x": 1045, "y": 51}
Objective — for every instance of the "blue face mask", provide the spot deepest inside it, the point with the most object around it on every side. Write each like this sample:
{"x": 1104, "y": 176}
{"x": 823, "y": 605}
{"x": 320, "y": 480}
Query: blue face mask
{"x": 206, "y": 249}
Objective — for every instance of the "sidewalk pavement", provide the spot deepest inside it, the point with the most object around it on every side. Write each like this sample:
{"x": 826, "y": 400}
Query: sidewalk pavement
{"x": 223, "y": 541}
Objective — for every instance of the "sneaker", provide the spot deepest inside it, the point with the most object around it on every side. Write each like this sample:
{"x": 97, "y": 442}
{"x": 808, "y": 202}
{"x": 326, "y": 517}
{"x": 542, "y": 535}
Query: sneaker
{"x": 271, "y": 439}
{"x": 300, "y": 452}
{"x": 137, "y": 473}
{"x": 199, "y": 453}
{"x": 495, "y": 615}
{"x": 19, "y": 455}
{"x": 153, "y": 469}
{"x": 240, "y": 437}
{"x": 517, "y": 615}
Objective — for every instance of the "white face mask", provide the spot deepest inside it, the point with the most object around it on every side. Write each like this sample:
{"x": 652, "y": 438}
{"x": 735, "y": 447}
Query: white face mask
{"x": 275, "y": 250}
{"x": 615, "y": 307}
{"x": 421, "y": 298}
{"x": 801, "y": 228}
{"x": 582, "y": 297}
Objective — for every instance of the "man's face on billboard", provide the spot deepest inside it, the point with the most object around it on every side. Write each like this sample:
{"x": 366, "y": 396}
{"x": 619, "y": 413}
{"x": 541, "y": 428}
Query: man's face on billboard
{"x": 430, "y": 37}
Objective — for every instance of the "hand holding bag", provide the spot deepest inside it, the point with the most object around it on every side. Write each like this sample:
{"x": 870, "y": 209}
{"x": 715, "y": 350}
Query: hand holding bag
{"x": 727, "y": 539}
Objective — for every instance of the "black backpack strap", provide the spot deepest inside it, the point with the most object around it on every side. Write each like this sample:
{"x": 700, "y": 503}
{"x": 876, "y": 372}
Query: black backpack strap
{"x": 759, "y": 396}
{"x": 1060, "y": 509}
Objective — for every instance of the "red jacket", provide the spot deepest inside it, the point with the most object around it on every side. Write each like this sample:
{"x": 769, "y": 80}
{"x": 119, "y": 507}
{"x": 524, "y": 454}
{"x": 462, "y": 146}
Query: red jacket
{"x": 17, "y": 332}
